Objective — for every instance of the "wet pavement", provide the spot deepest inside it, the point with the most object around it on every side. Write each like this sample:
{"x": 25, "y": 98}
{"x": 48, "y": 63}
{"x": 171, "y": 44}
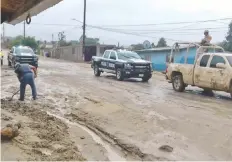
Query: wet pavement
{"x": 132, "y": 117}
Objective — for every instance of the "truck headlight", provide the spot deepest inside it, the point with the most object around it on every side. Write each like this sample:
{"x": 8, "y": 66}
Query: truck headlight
{"x": 36, "y": 58}
{"x": 128, "y": 66}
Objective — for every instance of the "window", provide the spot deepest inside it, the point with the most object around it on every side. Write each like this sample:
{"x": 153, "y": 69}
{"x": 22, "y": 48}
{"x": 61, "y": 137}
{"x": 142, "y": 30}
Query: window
{"x": 204, "y": 61}
{"x": 229, "y": 58}
{"x": 128, "y": 55}
{"x": 18, "y": 51}
{"x": 113, "y": 56}
{"x": 215, "y": 60}
{"x": 106, "y": 54}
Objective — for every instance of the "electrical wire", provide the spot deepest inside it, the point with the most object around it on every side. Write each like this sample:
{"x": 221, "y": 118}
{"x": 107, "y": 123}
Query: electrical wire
{"x": 171, "y": 23}
{"x": 132, "y": 33}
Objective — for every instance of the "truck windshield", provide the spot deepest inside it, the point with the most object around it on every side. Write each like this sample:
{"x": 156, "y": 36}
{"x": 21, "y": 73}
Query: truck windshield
{"x": 128, "y": 55}
{"x": 18, "y": 51}
{"x": 229, "y": 58}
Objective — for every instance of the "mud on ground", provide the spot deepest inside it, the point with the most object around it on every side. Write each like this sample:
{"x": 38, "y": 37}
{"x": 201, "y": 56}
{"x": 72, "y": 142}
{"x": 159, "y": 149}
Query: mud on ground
{"x": 42, "y": 137}
{"x": 135, "y": 119}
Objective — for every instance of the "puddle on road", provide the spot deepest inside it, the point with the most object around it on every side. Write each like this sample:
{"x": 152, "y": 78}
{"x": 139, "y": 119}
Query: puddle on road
{"x": 112, "y": 155}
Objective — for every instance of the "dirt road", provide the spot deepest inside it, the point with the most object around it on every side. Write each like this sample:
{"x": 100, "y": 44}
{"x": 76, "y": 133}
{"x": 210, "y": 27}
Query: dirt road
{"x": 105, "y": 119}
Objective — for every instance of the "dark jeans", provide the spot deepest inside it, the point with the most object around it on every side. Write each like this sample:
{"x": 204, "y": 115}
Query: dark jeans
{"x": 28, "y": 78}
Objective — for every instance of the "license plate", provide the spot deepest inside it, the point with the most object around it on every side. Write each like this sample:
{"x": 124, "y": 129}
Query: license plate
{"x": 141, "y": 75}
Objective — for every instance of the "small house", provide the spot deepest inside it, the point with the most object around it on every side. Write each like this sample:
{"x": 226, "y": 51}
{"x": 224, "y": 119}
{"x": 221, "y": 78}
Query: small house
{"x": 161, "y": 56}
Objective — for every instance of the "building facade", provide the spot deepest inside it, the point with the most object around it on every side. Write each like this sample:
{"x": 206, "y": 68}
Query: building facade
{"x": 161, "y": 56}
{"x": 74, "y": 53}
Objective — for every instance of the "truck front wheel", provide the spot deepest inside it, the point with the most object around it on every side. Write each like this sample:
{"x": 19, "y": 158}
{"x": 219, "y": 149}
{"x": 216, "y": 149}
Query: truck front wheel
{"x": 119, "y": 74}
{"x": 145, "y": 79}
{"x": 96, "y": 70}
{"x": 178, "y": 83}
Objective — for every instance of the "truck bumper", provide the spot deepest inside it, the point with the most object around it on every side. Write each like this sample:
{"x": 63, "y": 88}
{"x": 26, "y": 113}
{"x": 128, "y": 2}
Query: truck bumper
{"x": 135, "y": 74}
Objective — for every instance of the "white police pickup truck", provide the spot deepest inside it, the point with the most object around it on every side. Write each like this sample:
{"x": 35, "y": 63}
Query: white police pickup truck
{"x": 123, "y": 63}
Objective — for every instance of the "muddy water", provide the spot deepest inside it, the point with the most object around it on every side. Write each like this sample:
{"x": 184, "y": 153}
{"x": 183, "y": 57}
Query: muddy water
{"x": 111, "y": 152}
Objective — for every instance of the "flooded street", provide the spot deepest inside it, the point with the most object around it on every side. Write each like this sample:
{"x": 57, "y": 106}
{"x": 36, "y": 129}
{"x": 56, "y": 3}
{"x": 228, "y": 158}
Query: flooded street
{"x": 100, "y": 118}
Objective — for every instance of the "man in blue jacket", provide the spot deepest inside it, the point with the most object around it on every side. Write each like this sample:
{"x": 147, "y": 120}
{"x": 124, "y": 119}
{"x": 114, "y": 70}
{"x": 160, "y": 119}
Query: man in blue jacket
{"x": 26, "y": 75}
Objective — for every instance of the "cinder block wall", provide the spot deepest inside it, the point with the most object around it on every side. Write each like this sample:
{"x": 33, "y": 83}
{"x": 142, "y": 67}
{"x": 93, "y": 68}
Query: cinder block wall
{"x": 70, "y": 53}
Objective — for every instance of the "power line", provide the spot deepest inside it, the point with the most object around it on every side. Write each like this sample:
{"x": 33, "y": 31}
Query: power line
{"x": 158, "y": 31}
{"x": 147, "y": 31}
{"x": 168, "y": 23}
{"x": 52, "y": 24}
{"x": 171, "y": 23}
{"x": 128, "y": 33}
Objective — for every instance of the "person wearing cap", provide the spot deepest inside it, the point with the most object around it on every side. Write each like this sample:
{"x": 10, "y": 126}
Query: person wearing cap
{"x": 26, "y": 75}
{"x": 207, "y": 38}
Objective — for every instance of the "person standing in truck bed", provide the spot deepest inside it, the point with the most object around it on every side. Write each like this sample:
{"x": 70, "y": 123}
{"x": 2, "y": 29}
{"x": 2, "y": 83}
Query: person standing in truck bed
{"x": 207, "y": 39}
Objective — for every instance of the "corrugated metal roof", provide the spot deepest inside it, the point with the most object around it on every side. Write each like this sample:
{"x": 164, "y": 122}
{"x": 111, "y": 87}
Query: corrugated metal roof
{"x": 43, "y": 5}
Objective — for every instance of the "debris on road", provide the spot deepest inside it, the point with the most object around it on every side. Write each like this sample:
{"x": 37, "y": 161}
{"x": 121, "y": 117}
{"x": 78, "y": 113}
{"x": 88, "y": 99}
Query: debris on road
{"x": 92, "y": 100}
{"x": 10, "y": 131}
{"x": 166, "y": 148}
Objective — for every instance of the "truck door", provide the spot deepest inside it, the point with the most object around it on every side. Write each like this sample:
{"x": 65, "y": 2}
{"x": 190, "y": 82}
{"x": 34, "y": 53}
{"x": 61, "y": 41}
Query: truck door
{"x": 218, "y": 75}
{"x": 112, "y": 61}
{"x": 105, "y": 59}
{"x": 201, "y": 72}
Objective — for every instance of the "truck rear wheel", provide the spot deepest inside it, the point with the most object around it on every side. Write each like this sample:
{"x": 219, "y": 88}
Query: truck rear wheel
{"x": 96, "y": 70}
{"x": 119, "y": 74}
{"x": 178, "y": 83}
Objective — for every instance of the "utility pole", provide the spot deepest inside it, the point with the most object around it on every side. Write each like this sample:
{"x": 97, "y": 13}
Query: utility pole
{"x": 24, "y": 29}
{"x": 3, "y": 33}
{"x": 83, "y": 45}
{"x": 52, "y": 40}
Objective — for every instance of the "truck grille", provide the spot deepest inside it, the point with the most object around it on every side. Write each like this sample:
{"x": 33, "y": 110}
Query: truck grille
{"x": 141, "y": 67}
{"x": 26, "y": 59}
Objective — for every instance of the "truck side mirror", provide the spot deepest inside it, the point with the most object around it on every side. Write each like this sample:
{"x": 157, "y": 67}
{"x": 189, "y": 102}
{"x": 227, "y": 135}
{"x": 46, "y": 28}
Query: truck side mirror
{"x": 220, "y": 66}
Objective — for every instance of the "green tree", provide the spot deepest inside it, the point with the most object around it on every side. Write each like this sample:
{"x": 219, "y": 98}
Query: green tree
{"x": 153, "y": 45}
{"x": 28, "y": 41}
{"x": 227, "y": 44}
{"x": 162, "y": 43}
{"x": 138, "y": 46}
{"x": 89, "y": 41}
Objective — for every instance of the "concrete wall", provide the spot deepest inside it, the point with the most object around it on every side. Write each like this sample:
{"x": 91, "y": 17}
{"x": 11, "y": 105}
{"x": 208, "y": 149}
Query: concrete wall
{"x": 74, "y": 53}
{"x": 70, "y": 53}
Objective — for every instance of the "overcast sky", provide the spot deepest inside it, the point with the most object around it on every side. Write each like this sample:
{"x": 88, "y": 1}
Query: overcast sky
{"x": 111, "y": 14}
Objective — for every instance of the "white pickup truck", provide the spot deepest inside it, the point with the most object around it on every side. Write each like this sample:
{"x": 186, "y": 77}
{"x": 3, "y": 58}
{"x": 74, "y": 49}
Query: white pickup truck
{"x": 211, "y": 71}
